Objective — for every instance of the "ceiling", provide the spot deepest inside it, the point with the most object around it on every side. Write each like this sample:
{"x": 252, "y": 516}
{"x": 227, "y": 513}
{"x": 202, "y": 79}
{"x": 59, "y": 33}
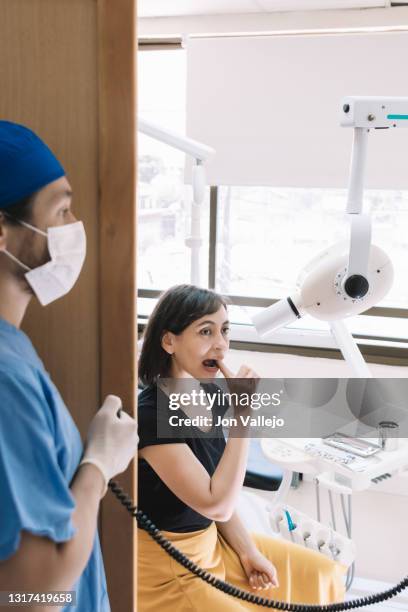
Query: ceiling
{"x": 173, "y": 8}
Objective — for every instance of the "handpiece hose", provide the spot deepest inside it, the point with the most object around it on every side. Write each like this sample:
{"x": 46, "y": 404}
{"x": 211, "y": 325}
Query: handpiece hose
{"x": 145, "y": 523}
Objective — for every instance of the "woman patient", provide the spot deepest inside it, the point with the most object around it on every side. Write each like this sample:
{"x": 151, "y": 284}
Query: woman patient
{"x": 189, "y": 486}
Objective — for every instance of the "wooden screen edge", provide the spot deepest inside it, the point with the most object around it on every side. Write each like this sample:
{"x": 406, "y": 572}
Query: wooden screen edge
{"x": 117, "y": 261}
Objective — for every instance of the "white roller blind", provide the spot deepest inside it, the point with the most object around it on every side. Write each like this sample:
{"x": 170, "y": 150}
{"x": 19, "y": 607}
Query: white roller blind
{"x": 270, "y": 106}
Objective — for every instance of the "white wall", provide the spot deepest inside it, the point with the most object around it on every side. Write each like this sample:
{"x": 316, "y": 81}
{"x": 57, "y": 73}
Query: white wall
{"x": 173, "y": 26}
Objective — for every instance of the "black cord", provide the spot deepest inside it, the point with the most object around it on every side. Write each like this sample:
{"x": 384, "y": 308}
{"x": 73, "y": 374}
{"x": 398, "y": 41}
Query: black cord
{"x": 146, "y": 524}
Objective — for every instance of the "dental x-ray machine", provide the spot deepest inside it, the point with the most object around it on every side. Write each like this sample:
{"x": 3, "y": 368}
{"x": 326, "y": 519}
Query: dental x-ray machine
{"x": 345, "y": 279}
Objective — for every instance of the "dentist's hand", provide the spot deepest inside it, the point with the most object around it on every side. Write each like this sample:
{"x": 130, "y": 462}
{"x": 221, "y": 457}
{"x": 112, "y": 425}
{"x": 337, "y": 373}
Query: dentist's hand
{"x": 112, "y": 440}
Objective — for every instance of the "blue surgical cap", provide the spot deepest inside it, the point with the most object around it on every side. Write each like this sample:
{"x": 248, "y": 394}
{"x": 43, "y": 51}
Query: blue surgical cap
{"x": 26, "y": 163}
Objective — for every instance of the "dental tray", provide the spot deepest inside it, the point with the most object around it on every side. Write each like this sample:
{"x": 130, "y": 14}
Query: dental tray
{"x": 312, "y": 534}
{"x": 356, "y": 446}
{"x": 335, "y": 468}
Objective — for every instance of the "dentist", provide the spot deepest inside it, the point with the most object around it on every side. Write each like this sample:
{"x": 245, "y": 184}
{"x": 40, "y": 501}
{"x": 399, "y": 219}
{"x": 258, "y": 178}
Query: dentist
{"x": 50, "y": 487}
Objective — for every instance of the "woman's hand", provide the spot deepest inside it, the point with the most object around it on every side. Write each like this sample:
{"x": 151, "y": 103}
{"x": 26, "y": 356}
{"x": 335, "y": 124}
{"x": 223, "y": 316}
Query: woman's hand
{"x": 243, "y": 384}
{"x": 244, "y": 381}
{"x": 260, "y": 571}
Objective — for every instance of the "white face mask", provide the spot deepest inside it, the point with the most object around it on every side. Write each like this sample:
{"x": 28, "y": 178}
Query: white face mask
{"x": 67, "y": 249}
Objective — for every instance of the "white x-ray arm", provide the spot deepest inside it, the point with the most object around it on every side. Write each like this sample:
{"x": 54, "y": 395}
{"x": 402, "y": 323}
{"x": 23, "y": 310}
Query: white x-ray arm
{"x": 198, "y": 150}
{"x": 200, "y": 153}
{"x": 364, "y": 113}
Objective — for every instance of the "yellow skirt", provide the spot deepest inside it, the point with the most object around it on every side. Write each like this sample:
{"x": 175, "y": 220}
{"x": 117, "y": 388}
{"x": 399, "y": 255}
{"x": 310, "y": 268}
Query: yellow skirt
{"x": 305, "y": 576}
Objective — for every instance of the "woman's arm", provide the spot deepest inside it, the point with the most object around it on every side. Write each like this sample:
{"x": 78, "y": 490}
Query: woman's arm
{"x": 214, "y": 497}
{"x": 236, "y": 535}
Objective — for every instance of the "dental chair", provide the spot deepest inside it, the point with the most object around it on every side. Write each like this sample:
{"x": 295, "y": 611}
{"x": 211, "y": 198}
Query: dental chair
{"x": 261, "y": 475}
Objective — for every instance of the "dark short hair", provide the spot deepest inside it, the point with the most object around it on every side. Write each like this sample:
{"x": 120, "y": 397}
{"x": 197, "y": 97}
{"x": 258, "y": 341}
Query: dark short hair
{"x": 176, "y": 309}
{"x": 20, "y": 211}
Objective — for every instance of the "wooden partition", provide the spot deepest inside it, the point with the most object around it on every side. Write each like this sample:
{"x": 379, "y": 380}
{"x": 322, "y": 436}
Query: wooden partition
{"x": 68, "y": 71}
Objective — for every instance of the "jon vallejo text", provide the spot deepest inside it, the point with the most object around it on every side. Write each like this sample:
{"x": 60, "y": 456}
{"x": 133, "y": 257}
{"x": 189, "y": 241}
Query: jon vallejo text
{"x": 247, "y": 420}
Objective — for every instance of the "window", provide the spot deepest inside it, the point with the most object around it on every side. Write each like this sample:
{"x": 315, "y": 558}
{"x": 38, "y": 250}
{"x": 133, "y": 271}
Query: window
{"x": 266, "y": 235}
{"x": 164, "y": 207}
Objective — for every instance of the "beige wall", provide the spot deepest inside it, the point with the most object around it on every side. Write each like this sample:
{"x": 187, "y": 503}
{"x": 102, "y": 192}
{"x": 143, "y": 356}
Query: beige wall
{"x": 49, "y": 83}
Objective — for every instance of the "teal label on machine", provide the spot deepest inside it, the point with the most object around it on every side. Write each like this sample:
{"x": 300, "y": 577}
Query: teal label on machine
{"x": 397, "y": 117}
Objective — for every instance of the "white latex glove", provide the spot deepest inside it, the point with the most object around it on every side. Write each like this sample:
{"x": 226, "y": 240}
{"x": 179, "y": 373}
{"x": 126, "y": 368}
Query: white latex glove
{"x": 112, "y": 440}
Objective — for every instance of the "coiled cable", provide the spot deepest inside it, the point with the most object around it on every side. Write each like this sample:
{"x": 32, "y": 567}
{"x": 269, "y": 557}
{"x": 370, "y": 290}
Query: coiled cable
{"x": 145, "y": 523}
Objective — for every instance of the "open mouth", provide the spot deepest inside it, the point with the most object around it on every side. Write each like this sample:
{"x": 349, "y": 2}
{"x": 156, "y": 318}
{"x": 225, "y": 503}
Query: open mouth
{"x": 210, "y": 363}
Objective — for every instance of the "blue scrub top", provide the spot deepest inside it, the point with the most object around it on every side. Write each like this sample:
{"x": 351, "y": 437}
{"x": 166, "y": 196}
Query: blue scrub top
{"x": 40, "y": 449}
